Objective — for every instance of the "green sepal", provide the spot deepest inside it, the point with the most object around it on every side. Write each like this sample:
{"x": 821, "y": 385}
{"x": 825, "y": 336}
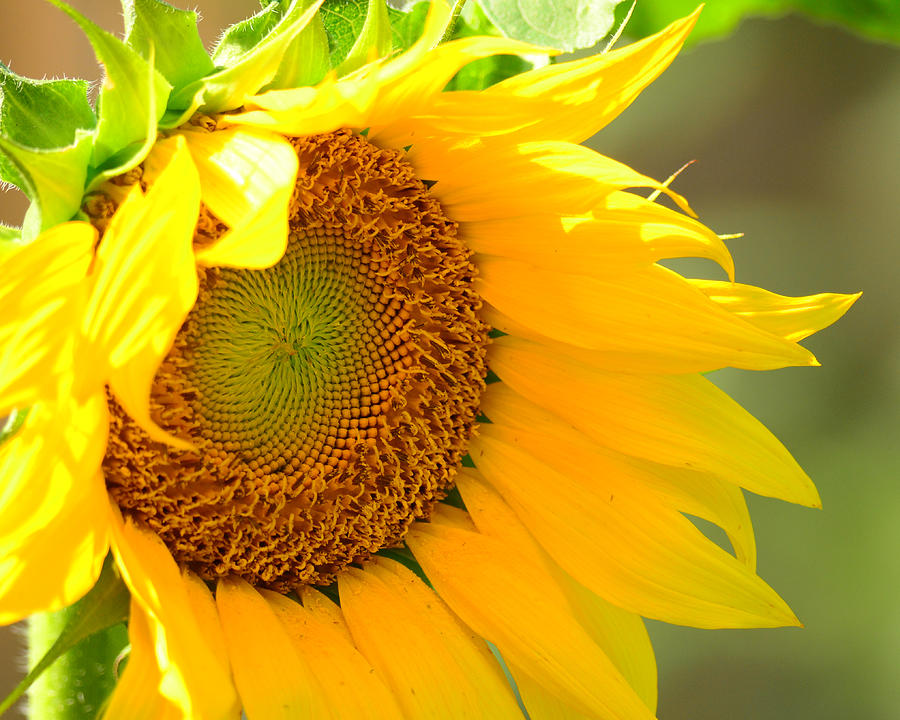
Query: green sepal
{"x": 43, "y": 113}
{"x": 52, "y": 179}
{"x": 248, "y": 71}
{"x": 172, "y": 34}
{"x": 135, "y": 153}
{"x": 105, "y": 605}
{"x": 123, "y": 96}
{"x": 374, "y": 37}
{"x": 307, "y": 59}
{"x": 243, "y": 36}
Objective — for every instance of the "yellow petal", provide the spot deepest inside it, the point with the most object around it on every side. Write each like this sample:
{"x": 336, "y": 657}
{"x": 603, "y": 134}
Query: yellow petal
{"x": 502, "y": 596}
{"x": 483, "y": 180}
{"x": 409, "y": 83}
{"x": 614, "y": 537}
{"x": 146, "y": 283}
{"x": 333, "y": 104}
{"x": 350, "y": 686}
{"x": 582, "y": 96}
{"x": 54, "y": 516}
{"x": 563, "y": 101}
{"x": 136, "y": 695}
{"x": 792, "y": 318}
{"x": 431, "y": 662}
{"x": 650, "y": 320}
{"x": 625, "y": 232}
{"x": 41, "y": 296}
{"x": 684, "y": 421}
{"x": 192, "y": 675}
{"x": 247, "y": 178}
{"x": 274, "y": 682}
{"x": 691, "y": 492}
{"x": 619, "y": 633}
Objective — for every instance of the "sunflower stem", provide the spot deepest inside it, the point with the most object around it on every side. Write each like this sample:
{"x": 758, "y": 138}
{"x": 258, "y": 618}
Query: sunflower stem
{"x": 451, "y": 23}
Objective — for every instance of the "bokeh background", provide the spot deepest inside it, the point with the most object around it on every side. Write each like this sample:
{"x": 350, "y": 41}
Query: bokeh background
{"x": 794, "y": 127}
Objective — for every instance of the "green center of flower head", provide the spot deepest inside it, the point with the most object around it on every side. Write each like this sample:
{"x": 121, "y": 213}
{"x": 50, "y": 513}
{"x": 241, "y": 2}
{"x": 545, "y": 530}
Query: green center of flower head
{"x": 331, "y": 397}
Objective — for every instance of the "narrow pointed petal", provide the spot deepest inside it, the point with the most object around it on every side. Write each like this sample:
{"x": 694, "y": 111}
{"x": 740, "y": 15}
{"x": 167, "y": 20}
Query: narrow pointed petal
{"x": 684, "y": 421}
{"x": 653, "y": 314}
{"x": 54, "y": 518}
{"x": 705, "y": 496}
{"x": 146, "y": 283}
{"x": 617, "y": 539}
{"x": 502, "y": 596}
{"x": 792, "y": 318}
{"x": 484, "y": 180}
{"x": 136, "y": 695}
{"x": 619, "y": 633}
{"x": 350, "y": 685}
{"x": 432, "y": 663}
{"x": 688, "y": 491}
{"x": 274, "y": 682}
{"x": 581, "y": 97}
{"x": 410, "y": 83}
{"x": 563, "y": 101}
{"x": 41, "y": 296}
{"x": 625, "y": 233}
{"x": 192, "y": 675}
{"x": 247, "y": 178}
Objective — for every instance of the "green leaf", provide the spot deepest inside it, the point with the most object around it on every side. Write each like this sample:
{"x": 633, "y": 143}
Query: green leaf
{"x": 407, "y": 26}
{"x": 43, "y": 113}
{"x": 878, "y": 19}
{"x": 483, "y": 72}
{"x": 253, "y": 52}
{"x": 123, "y": 96}
{"x": 172, "y": 33}
{"x": 374, "y": 36}
{"x": 343, "y": 20}
{"x": 53, "y": 179}
{"x": 105, "y": 605}
{"x": 563, "y": 24}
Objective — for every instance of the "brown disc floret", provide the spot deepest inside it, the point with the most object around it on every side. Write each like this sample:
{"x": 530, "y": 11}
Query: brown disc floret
{"x": 330, "y": 397}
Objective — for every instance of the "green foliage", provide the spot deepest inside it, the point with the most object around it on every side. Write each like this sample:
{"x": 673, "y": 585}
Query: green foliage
{"x": 26, "y": 104}
{"x": 124, "y": 95}
{"x": 343, "y": 21}
{"x": 171, "y": 34}
{"x": 48, "y": 161}
{"x": 563, "y": 24}
{"x": 879, "y": 19}
{"x": 253, "y": 51}
{"x": 374, "y": 37}
{"x": 483, "y": 72}
{"x": 105, "y": 606}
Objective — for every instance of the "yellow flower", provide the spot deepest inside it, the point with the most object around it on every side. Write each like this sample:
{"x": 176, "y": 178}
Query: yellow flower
{"x": 270, "y": 365}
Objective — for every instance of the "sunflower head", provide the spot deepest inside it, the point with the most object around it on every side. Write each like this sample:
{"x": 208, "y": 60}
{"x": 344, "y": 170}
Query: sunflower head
{"x": 373, "y": 386}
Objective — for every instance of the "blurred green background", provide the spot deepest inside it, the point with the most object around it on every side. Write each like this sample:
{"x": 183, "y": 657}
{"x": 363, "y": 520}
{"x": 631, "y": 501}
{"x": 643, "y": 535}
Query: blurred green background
{"x": 795, "y": 130}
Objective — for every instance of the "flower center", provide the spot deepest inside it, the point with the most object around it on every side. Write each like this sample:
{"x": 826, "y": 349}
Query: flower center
{"x": 331, "y": 397}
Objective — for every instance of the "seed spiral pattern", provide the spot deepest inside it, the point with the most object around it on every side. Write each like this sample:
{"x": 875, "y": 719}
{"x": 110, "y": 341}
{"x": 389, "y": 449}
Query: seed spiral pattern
{"x": 331, "y": 397}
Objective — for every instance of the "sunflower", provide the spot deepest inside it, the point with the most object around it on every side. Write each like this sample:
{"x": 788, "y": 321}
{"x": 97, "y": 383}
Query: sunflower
{"x": 381, "y": 399}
